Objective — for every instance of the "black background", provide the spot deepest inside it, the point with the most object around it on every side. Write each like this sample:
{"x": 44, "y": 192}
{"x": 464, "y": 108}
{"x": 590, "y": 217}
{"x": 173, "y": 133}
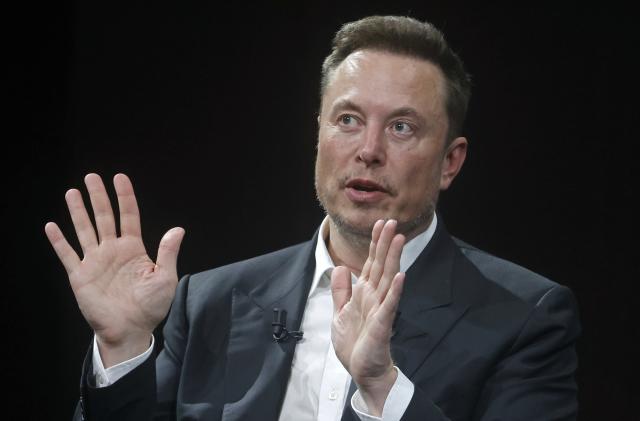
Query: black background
{"x": 211, "y": 111}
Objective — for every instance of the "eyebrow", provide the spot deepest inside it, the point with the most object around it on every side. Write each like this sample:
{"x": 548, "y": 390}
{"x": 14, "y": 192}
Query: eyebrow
{"x": 408, "y": 112}
{"x": 345, "y": 104}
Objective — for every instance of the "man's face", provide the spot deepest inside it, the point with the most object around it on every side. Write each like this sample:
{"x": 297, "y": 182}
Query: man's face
{"x": 382, "y": 149}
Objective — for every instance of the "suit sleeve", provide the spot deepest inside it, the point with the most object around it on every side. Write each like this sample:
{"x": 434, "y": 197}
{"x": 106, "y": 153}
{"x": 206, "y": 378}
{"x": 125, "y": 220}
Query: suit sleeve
{"x": 149, "y": 391}
{"x": 536, "y": 379}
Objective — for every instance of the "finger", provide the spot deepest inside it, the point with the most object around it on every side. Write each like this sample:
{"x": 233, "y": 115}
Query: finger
{"x": 391, "y": 264}
{"x": 340, "y": 287}
{"x": 168, "y": 250}
{"x": 377, "y": 230}
{"x": 375, "y": 235}
{"x": 84, "y": 228}
{"x": 382, "y": 248}
{"x": 129, "y": 213}
{"x": 391, "y": 301}
{"x": 65, "y": 252}
{"x": 105, "y": 222}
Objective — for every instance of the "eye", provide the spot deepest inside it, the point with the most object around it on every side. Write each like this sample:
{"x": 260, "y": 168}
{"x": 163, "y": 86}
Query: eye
{"x": 347, "y": 120}
{"x": 402, "y": 128}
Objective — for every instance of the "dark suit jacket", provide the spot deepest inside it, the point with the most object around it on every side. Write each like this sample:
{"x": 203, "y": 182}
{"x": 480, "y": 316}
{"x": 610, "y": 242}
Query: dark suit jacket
{"x": 481, "y": 339}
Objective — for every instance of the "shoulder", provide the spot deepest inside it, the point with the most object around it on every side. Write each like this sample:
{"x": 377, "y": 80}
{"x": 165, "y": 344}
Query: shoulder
{"x": 508, "y": 277}
{"x": 514, "y": 299}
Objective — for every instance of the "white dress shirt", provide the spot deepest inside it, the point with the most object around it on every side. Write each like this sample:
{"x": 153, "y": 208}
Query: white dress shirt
{"x": 319, "y": 385}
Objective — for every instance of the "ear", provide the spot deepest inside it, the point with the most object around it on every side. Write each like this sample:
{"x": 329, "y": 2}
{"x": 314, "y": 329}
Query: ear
{"x": 453, "y": 159}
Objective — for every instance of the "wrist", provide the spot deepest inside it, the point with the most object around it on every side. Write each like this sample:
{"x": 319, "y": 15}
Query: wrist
{"x": 374, "y": 391}
{"x": 113, "y": 353}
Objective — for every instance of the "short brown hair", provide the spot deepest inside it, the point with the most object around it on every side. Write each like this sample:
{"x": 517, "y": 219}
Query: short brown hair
{"x": 406, "y": 36}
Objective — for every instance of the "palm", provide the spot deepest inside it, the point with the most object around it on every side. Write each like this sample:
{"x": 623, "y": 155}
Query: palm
{"x": 114, "y": 280}
{"x": 119, "y": 289}
{"x": 359, "y": 330}
{"x": 364, "y": 313}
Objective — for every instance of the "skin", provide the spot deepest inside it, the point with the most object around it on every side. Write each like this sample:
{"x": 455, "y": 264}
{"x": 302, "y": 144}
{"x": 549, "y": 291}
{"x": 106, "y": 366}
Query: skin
{"x": 383, "y": 125}
{"x": 121, "y": 292}
{"x": 382, "y": 121}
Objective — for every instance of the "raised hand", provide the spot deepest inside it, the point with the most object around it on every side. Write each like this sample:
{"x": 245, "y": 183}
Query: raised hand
{"x": 121, "y": 292}
{"x": 364, "y": 314}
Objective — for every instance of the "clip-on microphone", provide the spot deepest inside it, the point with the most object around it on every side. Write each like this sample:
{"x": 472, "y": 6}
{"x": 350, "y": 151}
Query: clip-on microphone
{"x": 280, "y": 332}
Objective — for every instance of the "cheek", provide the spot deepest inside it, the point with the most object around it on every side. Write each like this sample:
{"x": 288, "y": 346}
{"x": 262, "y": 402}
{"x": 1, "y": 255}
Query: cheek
{"x": 337, "y": 141}
{"x": 325, "y": 163}
{"x": 421, "y": 178}
{"x": 332, "y": 151}
{"x": 323, "y": 158}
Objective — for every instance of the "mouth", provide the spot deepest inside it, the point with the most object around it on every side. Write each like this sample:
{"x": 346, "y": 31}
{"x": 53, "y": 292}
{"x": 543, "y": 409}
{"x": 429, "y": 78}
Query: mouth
{"x": 363, "y": 191}
{"x": 364, "y": 185}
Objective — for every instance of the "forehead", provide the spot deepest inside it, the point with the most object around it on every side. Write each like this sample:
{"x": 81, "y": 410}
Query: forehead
{"x": 387, "y": 80}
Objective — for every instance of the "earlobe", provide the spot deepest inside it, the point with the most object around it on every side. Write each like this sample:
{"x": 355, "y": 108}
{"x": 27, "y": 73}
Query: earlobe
{"x": 453, "y": 161}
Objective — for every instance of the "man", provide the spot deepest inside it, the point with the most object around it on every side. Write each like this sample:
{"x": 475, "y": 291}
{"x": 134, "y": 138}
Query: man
{"x": 433, "y": 329}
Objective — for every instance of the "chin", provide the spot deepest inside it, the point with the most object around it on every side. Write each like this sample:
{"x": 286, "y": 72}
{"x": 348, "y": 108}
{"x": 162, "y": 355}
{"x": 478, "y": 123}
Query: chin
{"x": 356, "y": 224}
{"x": 360, "y": 222}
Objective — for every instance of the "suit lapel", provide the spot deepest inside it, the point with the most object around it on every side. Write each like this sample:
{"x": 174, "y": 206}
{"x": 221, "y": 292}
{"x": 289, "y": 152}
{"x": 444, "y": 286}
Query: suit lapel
{"x": 258, "y": 368}
{"x": 427, "y": 310}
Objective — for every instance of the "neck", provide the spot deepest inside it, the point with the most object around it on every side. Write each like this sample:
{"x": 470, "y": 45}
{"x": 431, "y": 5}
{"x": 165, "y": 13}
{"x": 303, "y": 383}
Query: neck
{"x": 347, "y": 249}
{"x": 352, "y": 249}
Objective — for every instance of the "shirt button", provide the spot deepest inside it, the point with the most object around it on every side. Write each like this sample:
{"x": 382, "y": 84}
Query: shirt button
{"x": 333, "y": 395}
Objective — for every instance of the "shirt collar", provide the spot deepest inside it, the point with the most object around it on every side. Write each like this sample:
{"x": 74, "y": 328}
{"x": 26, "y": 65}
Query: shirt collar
{"x": 410, "y": 252}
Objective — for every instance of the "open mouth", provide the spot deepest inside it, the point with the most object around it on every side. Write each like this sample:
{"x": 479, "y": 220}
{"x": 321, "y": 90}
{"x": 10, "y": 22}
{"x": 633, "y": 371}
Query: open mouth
{"x": 364, "y": 188}
{"x": 365, "y": 185}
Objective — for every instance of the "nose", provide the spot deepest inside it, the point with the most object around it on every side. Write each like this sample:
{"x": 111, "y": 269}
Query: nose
{"x": 372, "y": 151}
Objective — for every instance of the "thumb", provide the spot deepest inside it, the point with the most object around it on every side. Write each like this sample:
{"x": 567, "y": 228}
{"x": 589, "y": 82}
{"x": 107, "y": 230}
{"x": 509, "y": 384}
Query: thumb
{"x": 169, "y": 248}
{"x": 340, "y": 287}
